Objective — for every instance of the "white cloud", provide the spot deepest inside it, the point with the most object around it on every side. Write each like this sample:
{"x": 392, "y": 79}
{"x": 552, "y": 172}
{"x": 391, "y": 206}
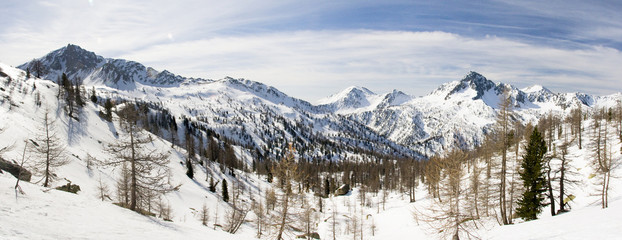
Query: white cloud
{"x": 256, "y": 41}
{"x": 30, "y": 29}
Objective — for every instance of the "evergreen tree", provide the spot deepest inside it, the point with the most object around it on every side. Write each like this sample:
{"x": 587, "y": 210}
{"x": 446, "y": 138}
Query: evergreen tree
{"x": 225, "y": 191}
{"x": 93, "y": 96}
{"x": 78, "y": 92}
{"x": 108, "y": 106}
{"x": 189, "y": 170}
{"x": 532, "y": 174}
{"x": 37, "y": 67}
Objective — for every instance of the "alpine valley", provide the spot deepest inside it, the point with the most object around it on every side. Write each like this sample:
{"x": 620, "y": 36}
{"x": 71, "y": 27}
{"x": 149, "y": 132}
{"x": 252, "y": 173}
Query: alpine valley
{"x": 257, "y": 125}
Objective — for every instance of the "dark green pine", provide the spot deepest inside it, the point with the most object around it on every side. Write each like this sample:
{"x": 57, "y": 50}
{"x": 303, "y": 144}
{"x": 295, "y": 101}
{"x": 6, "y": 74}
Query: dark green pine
{"x": 532, "y": 173}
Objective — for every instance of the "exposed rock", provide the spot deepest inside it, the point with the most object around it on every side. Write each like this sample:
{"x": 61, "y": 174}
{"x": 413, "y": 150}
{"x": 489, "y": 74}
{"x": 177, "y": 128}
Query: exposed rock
{"x": 15, "y": 170}
{"x": 313, "y": 235}
{"x": 72, "y": 188}
{"x": 343, "y": 190}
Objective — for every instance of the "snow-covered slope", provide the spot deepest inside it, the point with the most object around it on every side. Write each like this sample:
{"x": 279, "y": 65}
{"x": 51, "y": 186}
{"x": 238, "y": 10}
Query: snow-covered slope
{"x": 360, "y": 99}
{"x": 456, "y": 114}
{"x": 260, "y": 117}
{"x": 460, "y": 113}
{"x": 42, "y": 213}
{"x": 68, "y": 216}
{"x": 247, "y": 112}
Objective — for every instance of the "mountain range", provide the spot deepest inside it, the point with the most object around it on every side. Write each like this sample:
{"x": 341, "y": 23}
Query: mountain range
{"x": 252, "y": 114}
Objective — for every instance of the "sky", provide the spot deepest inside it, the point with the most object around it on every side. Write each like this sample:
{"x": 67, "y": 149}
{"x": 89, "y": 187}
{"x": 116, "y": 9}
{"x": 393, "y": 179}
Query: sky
{"x": 312, "y": 49}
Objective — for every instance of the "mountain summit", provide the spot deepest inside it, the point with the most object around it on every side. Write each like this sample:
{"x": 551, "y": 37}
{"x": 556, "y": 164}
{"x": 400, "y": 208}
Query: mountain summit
{"x": 78, "y": 63}
{"x": 350, "y": 98}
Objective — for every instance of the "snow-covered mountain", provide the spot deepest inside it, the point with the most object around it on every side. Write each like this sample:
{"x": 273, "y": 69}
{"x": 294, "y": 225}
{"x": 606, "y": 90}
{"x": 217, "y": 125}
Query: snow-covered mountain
{"x": 258, "y": 120}
{"x": 460, "y": 113}
{"x": 246, "y": 112}
{"x": 456, "y": 114}
{"x": 357, "y": 99}
{"x": 81, "y": 64}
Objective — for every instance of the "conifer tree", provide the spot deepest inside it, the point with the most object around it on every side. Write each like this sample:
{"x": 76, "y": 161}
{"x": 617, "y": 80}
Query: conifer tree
{"x": 189, "y": 169}
{"x": 69, "y": 94}
{"x": 532, "y": 174}
{"x": 37, "y": 67}
{"x": 108, "y": 106}
{"x": 78, "y": 93}
{"x": 225, "y": 191}
{"x": 93, "y": 96}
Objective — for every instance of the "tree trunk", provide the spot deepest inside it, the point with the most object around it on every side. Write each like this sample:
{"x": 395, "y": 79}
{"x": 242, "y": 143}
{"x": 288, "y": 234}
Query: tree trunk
{"x": 550, "y": 187}
{"x": 47, "y": 153}
{"x": 284, "y": 215}
{"x": 502, "y": 201}
{"x": 133, "y": 188}
{"x": 561, "y": 183}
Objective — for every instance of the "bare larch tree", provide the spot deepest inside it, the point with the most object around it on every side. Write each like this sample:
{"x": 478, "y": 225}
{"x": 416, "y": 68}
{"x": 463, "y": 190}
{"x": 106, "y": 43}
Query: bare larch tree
{"x": 49, "y": 150}
{"x": 147, "y": 168}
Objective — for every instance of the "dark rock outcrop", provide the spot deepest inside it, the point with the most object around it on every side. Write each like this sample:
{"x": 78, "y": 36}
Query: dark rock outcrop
{"x": 15, "y": 170}
{"x": 343, "y": 190}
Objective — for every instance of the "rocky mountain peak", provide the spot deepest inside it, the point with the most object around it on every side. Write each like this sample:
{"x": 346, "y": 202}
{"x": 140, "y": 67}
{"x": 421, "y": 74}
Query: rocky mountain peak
{"x": 475, "y": 81}
{"x": 79, "y": 63}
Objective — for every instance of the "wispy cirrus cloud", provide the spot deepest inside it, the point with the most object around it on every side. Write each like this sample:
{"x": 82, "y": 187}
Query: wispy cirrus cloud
{"x": 312, "y": 64}
{"x": 311, "y": 49}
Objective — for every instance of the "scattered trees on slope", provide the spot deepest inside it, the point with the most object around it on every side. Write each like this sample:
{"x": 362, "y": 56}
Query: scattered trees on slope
{"x": 145, "y": 171}
{"x": 603, "y": 161}
{"x": 49, "y": 150}
{"x": 287, "y": 171}
{"x": 37, "y": 67}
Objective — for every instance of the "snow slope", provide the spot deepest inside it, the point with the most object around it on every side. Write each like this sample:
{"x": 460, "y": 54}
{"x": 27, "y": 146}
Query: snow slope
{"x": 460, "y": 113}
{"x": 457, "y": 114}
{"x": 360, "y": 99}
{"x": 20, "y": 120}
{"x": 43, "y": 213}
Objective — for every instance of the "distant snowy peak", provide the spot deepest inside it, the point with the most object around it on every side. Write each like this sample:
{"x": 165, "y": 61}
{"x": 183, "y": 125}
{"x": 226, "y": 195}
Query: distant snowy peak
{"x": 538, "y": 93}
{"x": 348, "y": 94}
{"x": 77, "y": 62}
{"x": 394, "y": 98}
{"x": 360, "y": 99}
{"x": 536, "y": 88}
{"x": 472, "y": 81}
{"x": 351, "y": 99}
{"x": 71, "y": 59}
{"x": 475, "y": 86}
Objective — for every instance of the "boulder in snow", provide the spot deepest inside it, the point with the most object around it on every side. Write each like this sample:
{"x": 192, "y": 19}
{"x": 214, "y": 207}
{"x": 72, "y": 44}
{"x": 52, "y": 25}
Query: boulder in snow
{"x": 343, "y": 190}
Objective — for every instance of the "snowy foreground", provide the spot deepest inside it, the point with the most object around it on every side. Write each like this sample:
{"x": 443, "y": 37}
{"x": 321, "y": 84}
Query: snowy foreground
{"x": 42, "y": 213}
{"x": 51, "y": 214}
